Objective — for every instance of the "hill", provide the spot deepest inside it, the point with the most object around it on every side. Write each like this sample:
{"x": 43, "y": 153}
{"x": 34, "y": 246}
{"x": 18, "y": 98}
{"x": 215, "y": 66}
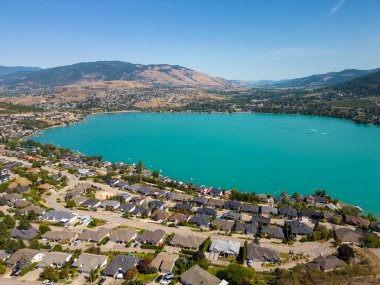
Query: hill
{"x": 156, "y": 75}
{"x": 323, "y": 80}
{"x": 4, "y": 70}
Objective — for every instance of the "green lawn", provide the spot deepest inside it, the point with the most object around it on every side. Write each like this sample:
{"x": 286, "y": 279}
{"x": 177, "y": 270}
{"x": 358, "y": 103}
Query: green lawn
{"x": 145, "y": 278}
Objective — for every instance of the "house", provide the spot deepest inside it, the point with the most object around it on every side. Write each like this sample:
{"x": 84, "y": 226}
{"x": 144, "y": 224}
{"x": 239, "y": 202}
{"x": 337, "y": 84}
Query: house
{"x": 32, "y": 208}
{"x": 94, "y": 235}
{"x": 178, "y": 218}
{"x": 299, "y": 228}
{"x": 182, "y": 208}
{"x": 119, "y": 266}
{"x": 21, "y": 203}
{"x": 198, "y": 276}
{"x": 249, "y": 208}
{"x": 251, "y": 228}
{"x": 110, "y": 204}
{"x": 158, "y": 193}
{"x": 134, "y": 187}
{"x": 21, "y": 189}
{"x": 288, "y": 212}
{"x": 91, "y": 203}
{"x": 269, "y": 210}
{"x": 123, "y": 235}
{"x": 122, "y": 184}
{"x": 181, "y": 197}
{"x": 56, "y": 216}
{"x": 309, "y": 199}
{"x": 215, "y": 203}
{"x": 54, "y": 259}
{"x": 322, "y": 200}
{"x": 160, "y": 215}
{"x": 310, "y": 215}
{"x": 323, "y": 263}
{"x": 4, "y": 255}
{"x": 375, "y": 227}
{"x": 346, "y": 235}
{"x": 141, "y": 211}
{"x": 123, "y": 197}
{"x": 164, "y": 261}
{"x": 225, "y": 248}
{"x": 275, "y": 232}
{"x": 262, "y": 254}
{"x": 232, "y": 205}
{"x": 157, "y": 204}
{"x": 24, "y": 234}
{"x": 46, "y": 186}
{"x": 146, "y": 190}
{"x": 261, "y": 220}
{"x": 231, "y": 216}
{"x": 33, "y": 170}
{"x": 187, "y": 241}
{"x": 4, "y": 178}
{"x": 85, "y": 172}
{"x": 199, "y": 201}
{"x": 206, "y": 211}
{"x": 223, "y": 225}
{"x": 216, "y": 192}
{"x": 86, "y": 262}
{"x": 113, "y": 182}
{"x": 200, "y": 220}
{"x": 151, "y": 237}
{"x": 12, "y": 197}
{"x": 137, "y": 200}
{"x": 32, "y": 256}
{"x": 127, "y": 208}
{"x": 356, "y": 221}
{"x": 65, "y": 235}
{"x": 267, "y": 199}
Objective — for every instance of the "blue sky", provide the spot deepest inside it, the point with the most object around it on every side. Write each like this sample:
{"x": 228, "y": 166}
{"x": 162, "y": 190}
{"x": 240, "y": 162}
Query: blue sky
{"x": 249, "y": 40}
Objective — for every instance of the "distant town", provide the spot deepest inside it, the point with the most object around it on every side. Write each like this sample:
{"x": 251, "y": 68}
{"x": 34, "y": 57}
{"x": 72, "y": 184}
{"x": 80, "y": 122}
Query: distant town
{"x": 74, "y": 219}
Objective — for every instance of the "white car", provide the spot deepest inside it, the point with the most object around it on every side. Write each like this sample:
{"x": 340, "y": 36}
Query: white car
{"x": 47, "y": 282}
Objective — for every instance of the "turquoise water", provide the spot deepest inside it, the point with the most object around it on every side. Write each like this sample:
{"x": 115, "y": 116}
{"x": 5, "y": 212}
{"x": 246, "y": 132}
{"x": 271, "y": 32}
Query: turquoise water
{"x": 259, "y": 153}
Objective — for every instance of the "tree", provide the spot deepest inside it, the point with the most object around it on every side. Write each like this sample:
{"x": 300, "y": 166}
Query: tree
{"x": 70, "y": 204}
{"x": 244, "y": 252}
{"x": 131, "y": 273}
{"x": 9, "y": 221}
{"x": 64, "y": 274}
{"x": 156, "y": 174}
{"x": 23, "y": 262}
{"x": 139, "y": 167}
{"x": 93, "y": 275}
{"x": 346, "y": 252}
{"x": 236, "y": 274}
{"x": 206, "y": 244}
{"x": 145, "y": 267}
{"x": 50, "y": 273}
{"x": 24, "y": 224}
{"x": 371, "y": 240}
{"x": 43, "y": 228}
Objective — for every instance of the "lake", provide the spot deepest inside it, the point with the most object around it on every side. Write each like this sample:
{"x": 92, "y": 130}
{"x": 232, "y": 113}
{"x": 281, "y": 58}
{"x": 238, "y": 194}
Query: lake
{"x": 260, "y": 153}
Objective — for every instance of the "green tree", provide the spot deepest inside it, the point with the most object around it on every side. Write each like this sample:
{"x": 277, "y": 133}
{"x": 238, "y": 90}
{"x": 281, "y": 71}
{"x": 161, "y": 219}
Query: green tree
{"x": 139, "y": 167}
{"x": 70, "y": 204}
{"x": 346, "y": 252}
{"x": 9, "y": 221}
{"x": 24, "y": 223}
{"x": 236, "y": 274}
{"x": 43, "y": 228}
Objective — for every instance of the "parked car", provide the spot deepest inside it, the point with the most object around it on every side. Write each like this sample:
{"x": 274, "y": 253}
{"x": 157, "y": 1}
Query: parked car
{"x": 47, "y": 282}
{"x": 158, "y": 279}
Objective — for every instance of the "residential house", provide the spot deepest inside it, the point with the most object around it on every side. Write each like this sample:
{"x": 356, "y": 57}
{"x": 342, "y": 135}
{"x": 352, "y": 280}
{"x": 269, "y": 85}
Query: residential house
{"x": 32, "y": 208}
{"x": 137, "y": 200}
{"x": 288, "y": 212}
{"x": 110, "y": 204}
{"x": 267, "y": 199}
{"x": 178, "y": 218}
{"x": 216, "y": 192}
{"x": 124, "y": 197}
{"x": 4, "y": 255}
{"x": 260, "y": 219}
{"x": 322, "y": 200}
{"x": 146, "y": 190}
{"x": 134, "y": 187}
{"x": 198, "y": 276}
{"x": 326, "y": 264}
{"x": 87, "y": 262}
{"x": 56, "y": 216}
{"x": 151, "y": 237}
{"x": 199, "y": 201}
{"x": 160, "y": 215}
{"x": 122, "y": 185}
{"x": 356, "y": 221}
{"x": 223, "y": 225}
{"x": 24, "y": 234}
{"x": 119, "y": 266}
{"x": 348, "y": 236}
{"x": 113, "y": 182}
{"x": 123, "y": 235}
{"x": 298, "y": 228}
{"x": 21, "y": 203}
{"x": 231, "y": 216}
{"x": 54, "y": 259}
{"x": 232, "y": 205}
{"x": 200, "y": 220}
{"x": 157, "y": 204}
{"x": 32, "y": 256}
{"x": 127, "y": 208}
{"x": 225, "y": 248}
{"x": 91, "y": 203}
{"x": 275, "y": 232}
{"x": 65, "y": 235}
{"x": 215, "y": 203}
{"x": 262, "y": 254}
{"x": 164, "y": 261}
{"x": 310, "y": 215}
{"x": 183, "y": 208}
{"x": 206, "y": 211}
{"x": 249, "y": 208}
{"x": 269, "y": 210}
{"x": 141, "y": 211}
{"x": 182, "y": 197}
{"x": 187, "y": 241}
{"x": 94, "y": 235}
{"x": 375, "y": 227}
